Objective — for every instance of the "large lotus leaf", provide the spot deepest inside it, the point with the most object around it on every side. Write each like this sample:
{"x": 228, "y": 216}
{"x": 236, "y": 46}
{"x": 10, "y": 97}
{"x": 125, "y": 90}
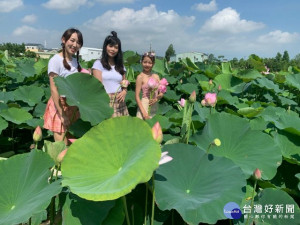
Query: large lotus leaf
{"x": 250, "y": 111}
{"x": 298, "y": 176}
{"x": 188, "y": 88}
{"x": 250, "y": 149}
{"x": 116, "y": 215}
{"x": 287, "y": 101}
{"x": 3, "y": 124}
{"x": 159, "y": 67}
{"x": 26, "y": 67}
{"x": 224, "y": 80}
{"x": 35, "y": 122}
{"x": 171, "y": 95}
{"x": 289, "y": 122}
{"x": 249, "y": 75}
{"x": 226, "y": 67}
{"x": 16, "y": 115}
{"x": 41, "y": 66}
{"x": 86, "y": 92}
{"x": 282, "y": 204}
{"x": 130, "y": 75}
{"x": 6, "y": 96}
{"x": 39, "y": 109}
{"x": 293, "y": 80}
{"x": 163, "y": 108}
{"x": 54, "y": 148}
{"x": 289, "y": 144}
{"x": 268, "y": 84}
{"x": 163, "y": 121}
{"x": 197, "y": 185}
{"x": 224, "y": 97}
{"x": 271, "y": 113}
{"x": 111, "y": 159}
{"x": 24, "y": 186}
{"x": 78, "y": 211}
{"x": 258, "y": 123}
{"x": 29, "y": 94}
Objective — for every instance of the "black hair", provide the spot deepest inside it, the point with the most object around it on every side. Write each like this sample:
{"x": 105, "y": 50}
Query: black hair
{"x": 113, "y": 40}
{"x": 66, "y": 36}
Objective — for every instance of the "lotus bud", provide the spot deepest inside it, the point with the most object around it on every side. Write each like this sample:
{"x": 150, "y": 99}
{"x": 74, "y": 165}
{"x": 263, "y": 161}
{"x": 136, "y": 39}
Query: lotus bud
{"x": 217, "y": 142}
{"x": 210, "y": 99}
{"x": 219, "y": 87}
{"x": 257, "y": 174}
{"x": 210, "y": 82}
{"x": 61, "y": 155}
{"x": 37, "y": 135}
{"x": 203, "y": 102}
{"x": 85, "y": 71}
{"x": 164, "y": 82}
{"x": 192, "y": 97}
{"x": 157, "y": 133}
{"x": 153, "y": 83}
{"x": 125, "y": 83}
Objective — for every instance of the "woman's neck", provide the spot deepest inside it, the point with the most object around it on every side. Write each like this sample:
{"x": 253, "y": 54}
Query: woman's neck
{"x": 148, "y": 73}
{"x": 67, "y": 56}
{"x": 111, "y": 61}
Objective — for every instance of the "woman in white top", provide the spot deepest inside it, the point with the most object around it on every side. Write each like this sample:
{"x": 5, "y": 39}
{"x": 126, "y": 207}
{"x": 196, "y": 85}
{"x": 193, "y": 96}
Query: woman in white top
{"x": 110, "y": 71}
{"x": 58, "y": 115}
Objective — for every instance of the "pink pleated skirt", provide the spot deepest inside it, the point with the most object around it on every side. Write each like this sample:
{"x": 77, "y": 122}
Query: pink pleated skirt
{"x": 52, "y": 119}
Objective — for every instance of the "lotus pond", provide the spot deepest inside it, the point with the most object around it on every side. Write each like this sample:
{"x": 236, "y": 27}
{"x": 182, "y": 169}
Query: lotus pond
{"x": 111, "y": 174}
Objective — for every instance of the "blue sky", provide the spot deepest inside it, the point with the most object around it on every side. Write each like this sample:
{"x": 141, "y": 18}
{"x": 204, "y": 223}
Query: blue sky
{"x": 232, "y": 28}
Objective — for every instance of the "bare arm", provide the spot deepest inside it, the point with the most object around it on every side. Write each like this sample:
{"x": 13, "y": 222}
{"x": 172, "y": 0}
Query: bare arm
{"x": 138, "y": 88}
{"x": 97, "y": 74}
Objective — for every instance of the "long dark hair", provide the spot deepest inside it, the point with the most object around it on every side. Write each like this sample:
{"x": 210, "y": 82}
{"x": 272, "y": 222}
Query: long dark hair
{"x": 66, "y": 36}
{"x": 113, "y": 40}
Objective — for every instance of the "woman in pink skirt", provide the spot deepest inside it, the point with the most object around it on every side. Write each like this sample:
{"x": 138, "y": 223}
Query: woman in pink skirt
{"x": 58, "y": 115}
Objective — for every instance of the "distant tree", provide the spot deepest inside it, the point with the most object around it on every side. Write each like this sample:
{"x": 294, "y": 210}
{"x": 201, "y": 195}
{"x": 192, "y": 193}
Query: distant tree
{"x": 286, "y": 57}
{"x": 170, "y": 52}
{"x": 13, "y": 48}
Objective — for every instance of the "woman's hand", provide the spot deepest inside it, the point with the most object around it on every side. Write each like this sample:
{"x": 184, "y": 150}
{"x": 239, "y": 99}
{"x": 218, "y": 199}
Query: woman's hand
{"x": 146, "y": 116}
{"x": 65, "y": 120}
{"x": 121, "y": 96}
{"x": 153, "y": 101}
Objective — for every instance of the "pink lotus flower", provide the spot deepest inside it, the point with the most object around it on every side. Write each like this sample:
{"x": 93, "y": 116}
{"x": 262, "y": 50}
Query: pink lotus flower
{"x": 210, "y": 99}
{"x": 192, "y": 97}
{"x": 153, "y": 83}
{"x": 37, "y": 135}
{"x": 164, "y": 158}
{"x": 219, "y": 87}
{"x": 157, "y": 133}
{"x": 162, "y": 88}
{"x": 125, "y": 83}
{"x": 181, "y": 102}
{"x": 267, "y": 70}
{"x": 164, "y": 82}
{"x": 85, "y": 71}
{"x": 61, "y": 155}
{"x": 72, "y": 140}
{"x": 257, "y": 174}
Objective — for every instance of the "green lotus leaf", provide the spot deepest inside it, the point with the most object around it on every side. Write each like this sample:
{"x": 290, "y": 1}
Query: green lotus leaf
{"x": 293, "y": 80}
{"x": 197, "y": 185}
{"x": 289, "y": 122}
{"x": 171, "y": 95}
{"x": 24, "y": 186}
{"x": 78, "y": 211}
{"x": 298, "y": 176}
{"x": 79, "y": 128}
{"x": 88, "y": 94}
{"x": 29, "y": 94}
{"x": 116, "y": 215}
{"x": 16, "y": 115}
{"x": 3, "y": 124}
{"x": 35, "y": 122}
{"x": 54, "y": 148}
{"x": 3, "y": 106}
{"x": 41, "y": 66}
{"x": 37, "y": 218}
{"x": 163, "y": 121}
{"x": 224, "y": 97}
{"x": 268, "y": 84}
{"x": 250, "y": 111}
{"x": 159, "y": 67}
{"x": 163, "y": 108}
{"x": 6, "y": 96}
{"x": 258, "y": 124}
{"x": 250, "y": 149}
{"x": 126, "y": 155}
{"x": 224, "y": 80}
{"x": 249, "y": 75}
{"x": 271, "y": 113}
{"x": 26, "y": 67}
{"x": 130, "y": 75}
{"x": 285, "y": 205}
{"x": 188, "y": 88}
{"x": 288, "y": 143}
{"x": 226, "y": 67}
{"x": 39, "y": 109}
{"x": 287, "y": 101}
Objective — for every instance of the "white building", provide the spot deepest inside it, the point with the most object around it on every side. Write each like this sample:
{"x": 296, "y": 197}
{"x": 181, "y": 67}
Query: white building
{"x": 193, "y": 56}
{"x": 88, "y": 54}
{"x": 33, "y": 47}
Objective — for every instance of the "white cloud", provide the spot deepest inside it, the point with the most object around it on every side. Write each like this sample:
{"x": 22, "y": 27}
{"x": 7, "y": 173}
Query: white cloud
{"x": 29, "y": 18}
{"x": 10, "y": 5}
{"x": 23, "y": 30}
{"x": 115, "y": 1}
{"x": 65, "y": 6}
{"x": 138, "y": 29}
{"x": 229, "y": 21}
{"x": 278, "y": 36}
{"x": 212, "y": 6}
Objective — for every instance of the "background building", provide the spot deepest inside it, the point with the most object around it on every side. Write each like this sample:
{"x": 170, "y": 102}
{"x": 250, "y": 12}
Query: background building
{"x": 193, "y": 56}
{"x": 32, "y": 47}
{"x": 88, "y": 54}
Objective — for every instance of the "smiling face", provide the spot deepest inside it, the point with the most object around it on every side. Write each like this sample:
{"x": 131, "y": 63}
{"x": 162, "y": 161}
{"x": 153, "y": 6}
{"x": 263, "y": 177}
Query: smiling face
{"x": 112, "y": 50}
{"x": 72, "y": 45}
{"x": 147, "y": 64}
